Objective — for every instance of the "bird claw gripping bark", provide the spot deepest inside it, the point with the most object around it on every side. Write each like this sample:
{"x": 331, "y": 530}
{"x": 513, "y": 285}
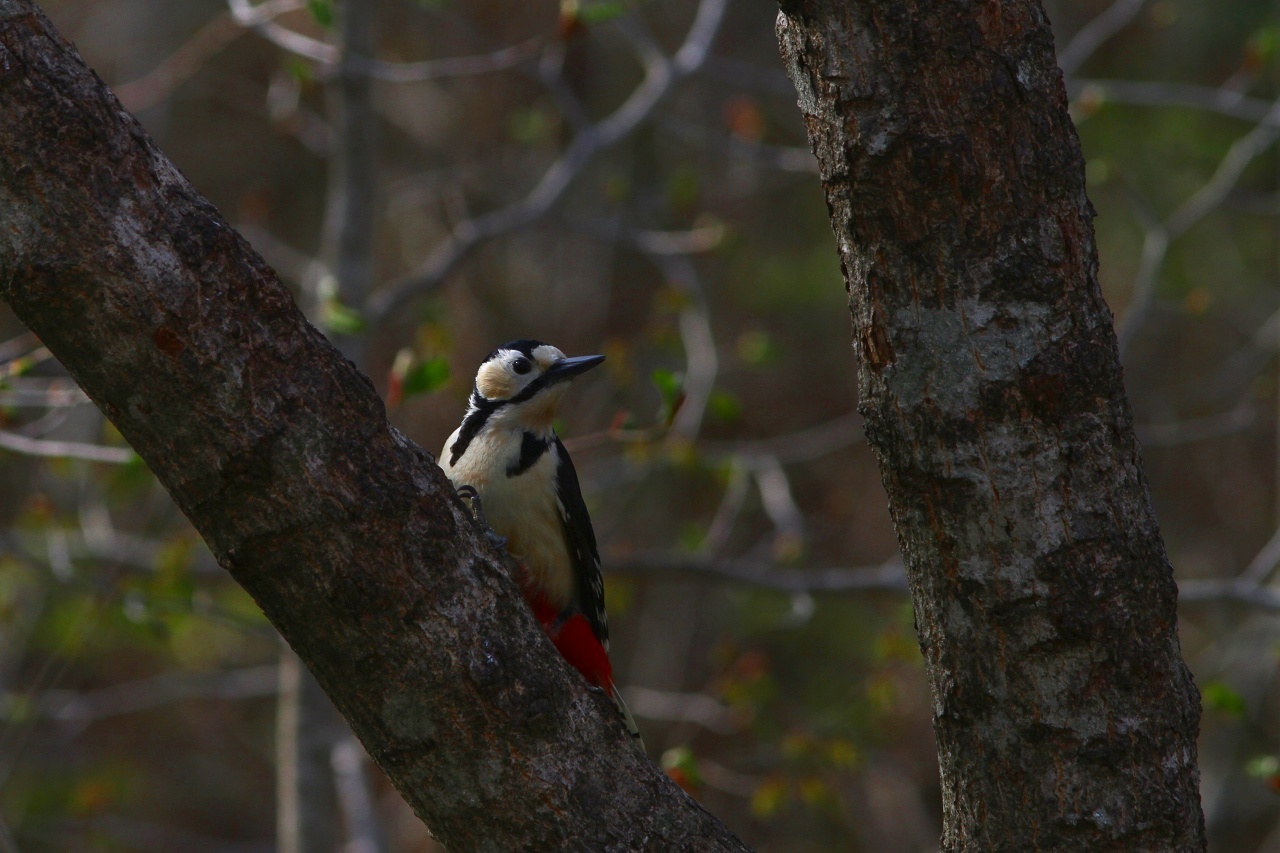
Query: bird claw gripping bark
{"x": 470, "y": 494}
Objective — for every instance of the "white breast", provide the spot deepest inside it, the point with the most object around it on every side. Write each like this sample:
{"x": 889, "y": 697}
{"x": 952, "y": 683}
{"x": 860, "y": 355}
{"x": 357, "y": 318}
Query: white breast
{"x": 523, "y": 508}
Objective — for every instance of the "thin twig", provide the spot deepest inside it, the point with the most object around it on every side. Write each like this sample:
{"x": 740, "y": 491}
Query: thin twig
{"x": 668, "y": 706}
{"x": 65, "y": 449}
{"x": 43, "y": 398}
{"x": 1243, "y": 151}
{"x": 161, "y": 82}
{"x": 1154, "y": 93}
{"x": 888, "y": 577}
{"x": 702, "y": 363}
{"x": 1206, "y": 428}
{"x": 660, "y": 79}
{"x": 364, "y": 835}
{"x": 1235, "y": 592}
{"x": 1210, "y": 196}
{"x": 778, "y": 501}
{"x": 1096, "y": 33}
{"x": 453, "y": 66}
{"x": 131, "y": 697}
{"x": 800, "y": 446}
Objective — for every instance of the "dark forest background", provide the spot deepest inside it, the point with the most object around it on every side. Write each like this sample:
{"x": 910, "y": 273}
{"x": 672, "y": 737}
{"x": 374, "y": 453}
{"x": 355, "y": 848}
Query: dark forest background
{"x": 629, "y": 178}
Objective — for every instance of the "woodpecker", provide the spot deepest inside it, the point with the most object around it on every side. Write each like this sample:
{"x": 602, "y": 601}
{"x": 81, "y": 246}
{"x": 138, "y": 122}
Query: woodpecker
{"x": 507, "y": 454}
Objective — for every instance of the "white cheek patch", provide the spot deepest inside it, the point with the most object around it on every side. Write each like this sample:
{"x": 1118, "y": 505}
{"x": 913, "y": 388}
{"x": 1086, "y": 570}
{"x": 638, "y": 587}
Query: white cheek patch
{"x": 494, "y": 382}
{"x": 547, "y": 355}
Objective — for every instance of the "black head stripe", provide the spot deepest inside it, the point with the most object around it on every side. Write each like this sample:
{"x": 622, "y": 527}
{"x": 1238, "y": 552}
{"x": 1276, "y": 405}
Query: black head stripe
{"x": 481, "y": 409}
{"x": 530, "y": 391}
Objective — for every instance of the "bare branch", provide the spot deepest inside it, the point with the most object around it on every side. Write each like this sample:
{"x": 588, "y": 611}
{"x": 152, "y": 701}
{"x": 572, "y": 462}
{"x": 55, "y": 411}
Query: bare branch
{"x": 784, "y": 158}
{"x": 1145, "y": 93}
{"x": 1233, "y": 592}
{"x": 453, "y": 66}
{"x": 65, "y": 449}
{"x": 7, "y": 842}
{"x": 354, "y": 795}
{"x": 159, "y": 83}
{"x": 1209, "y": 197}
{"x": 1155, "y": 246}
{"x": 131, "y": 697}
{"x": 697, "y": 708}
{"x": 699, "y": 239}
{"x": 123, "y": 549}
{"x": 779, "y": 504}
{"x": 1209, "y": 427}
{"x": 1243, "y": 151}
{"x": 1095, "y": 33}
{"x": 701, "y": 360}
{"x": 800, "y": 446}
{"x": 15, "y": 347}
{"x": 51, "y": 397}
{"x": 260, "y": 20}
{"x": 735, "y": 496}
{"x": 887, "y": 577}
{"x": 660, "y": 79}
{"x": 1249, "y": 587}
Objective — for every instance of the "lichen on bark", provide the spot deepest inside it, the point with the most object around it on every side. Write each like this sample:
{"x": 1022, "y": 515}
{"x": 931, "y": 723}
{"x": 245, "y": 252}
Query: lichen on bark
{"x": 991, "y": 390}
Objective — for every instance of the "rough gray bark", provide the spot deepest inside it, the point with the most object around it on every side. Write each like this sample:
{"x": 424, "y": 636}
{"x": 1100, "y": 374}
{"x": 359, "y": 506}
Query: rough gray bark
{"x": 346, "y": 534}
{"x": 991, "y": 389}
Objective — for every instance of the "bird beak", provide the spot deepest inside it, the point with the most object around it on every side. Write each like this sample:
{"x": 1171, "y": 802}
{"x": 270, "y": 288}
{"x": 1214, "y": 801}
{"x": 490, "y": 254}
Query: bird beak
{"x": 568, "y": 368}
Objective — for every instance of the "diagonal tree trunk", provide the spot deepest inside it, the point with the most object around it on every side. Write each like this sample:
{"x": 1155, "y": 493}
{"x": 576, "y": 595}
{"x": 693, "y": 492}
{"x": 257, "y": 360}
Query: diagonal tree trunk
{"x": 309, "y": 733}
{"x": 991, "y": 389}
{"x": 346, "y": 534}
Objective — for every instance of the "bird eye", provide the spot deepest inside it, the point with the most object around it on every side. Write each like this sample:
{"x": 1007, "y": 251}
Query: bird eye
{"x": 521, "y": 366}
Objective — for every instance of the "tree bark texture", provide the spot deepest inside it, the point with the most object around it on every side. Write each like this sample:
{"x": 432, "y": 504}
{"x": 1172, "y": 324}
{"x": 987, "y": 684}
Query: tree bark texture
{"x": 279, "y": 451}
{"x": 991, "y": 388}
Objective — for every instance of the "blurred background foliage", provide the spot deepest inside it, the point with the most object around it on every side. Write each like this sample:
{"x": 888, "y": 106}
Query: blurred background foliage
{"x": 629, "y": 178}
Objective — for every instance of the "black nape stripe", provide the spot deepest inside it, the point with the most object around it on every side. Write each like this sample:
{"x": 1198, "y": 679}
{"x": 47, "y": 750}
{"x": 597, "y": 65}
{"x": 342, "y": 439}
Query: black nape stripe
{"x": 531, "y": 449}
{"x": 481, "y": 409}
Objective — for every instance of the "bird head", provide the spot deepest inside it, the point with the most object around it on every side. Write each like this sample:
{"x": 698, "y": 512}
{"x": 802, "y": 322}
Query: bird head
{"x": 524, "y": 381}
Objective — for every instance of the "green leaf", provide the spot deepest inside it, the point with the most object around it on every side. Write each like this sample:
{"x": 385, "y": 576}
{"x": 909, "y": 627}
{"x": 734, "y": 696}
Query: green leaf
{"x": 725, "y": 406}
{"x": 426, "y": 376}
{"x": 532, "y": 126}
{"x": 336, "y": 317}
{"x": 1219, "y": 697}
{"x": 683, "y": 187}
{"x": 682, "y": 760}
{"x": 599, "y": 13}
{"x": 768, "y": 798}
{"x": 669, "y": 385}
{"x": 299, "y": 70}
{"x": 1263, "y": 766}
{"x": 1265, "y": 43}
{"x": 322, "y": 11}
{"x": 756, "y": 348}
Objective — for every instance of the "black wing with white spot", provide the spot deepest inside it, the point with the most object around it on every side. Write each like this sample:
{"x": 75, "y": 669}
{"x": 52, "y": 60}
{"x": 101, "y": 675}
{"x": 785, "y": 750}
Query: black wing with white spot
{"x": 582, "y": 546}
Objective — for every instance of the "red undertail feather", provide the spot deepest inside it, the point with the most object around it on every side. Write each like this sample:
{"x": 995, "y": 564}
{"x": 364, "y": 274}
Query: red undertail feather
{"x": 575, "y": 641}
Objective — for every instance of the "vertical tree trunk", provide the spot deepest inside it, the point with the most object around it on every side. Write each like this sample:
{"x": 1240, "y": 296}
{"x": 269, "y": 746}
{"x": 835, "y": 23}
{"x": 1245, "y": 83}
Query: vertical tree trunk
{"x": 992, "y": 393}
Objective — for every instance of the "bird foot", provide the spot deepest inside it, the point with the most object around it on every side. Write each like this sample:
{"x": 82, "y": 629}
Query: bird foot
{"x": 469, "y": 494}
